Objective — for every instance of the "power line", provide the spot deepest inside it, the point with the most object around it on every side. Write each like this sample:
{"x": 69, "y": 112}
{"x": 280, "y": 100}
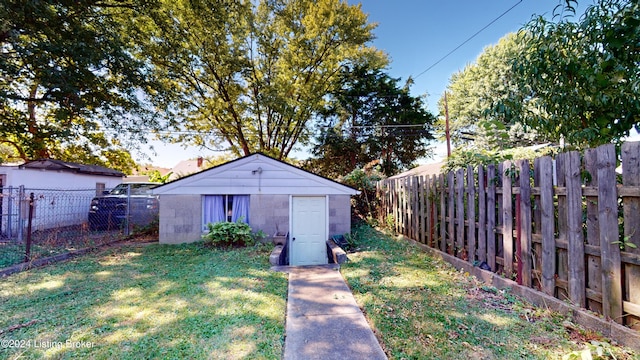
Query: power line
{"x": 468, "y": 39}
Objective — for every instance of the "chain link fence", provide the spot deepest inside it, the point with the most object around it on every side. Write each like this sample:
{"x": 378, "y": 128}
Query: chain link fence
{"x": 37, "y": 223}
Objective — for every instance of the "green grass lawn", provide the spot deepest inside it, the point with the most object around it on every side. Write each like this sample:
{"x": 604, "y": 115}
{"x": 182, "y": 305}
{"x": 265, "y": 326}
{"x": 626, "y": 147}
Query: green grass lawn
{"x": 144, "y": 302}
{"x": 422, "y": 308}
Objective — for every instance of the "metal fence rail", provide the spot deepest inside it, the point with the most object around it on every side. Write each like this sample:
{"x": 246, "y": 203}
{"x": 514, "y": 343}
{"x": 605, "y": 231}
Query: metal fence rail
{"x": 60, "y": 221}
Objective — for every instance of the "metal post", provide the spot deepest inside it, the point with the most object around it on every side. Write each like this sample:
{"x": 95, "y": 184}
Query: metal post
{"x": 20, "y": 217}
{"x": 10, "y": 214}
{"x": 128, "y": 217}
{"x": 27, "y": 254}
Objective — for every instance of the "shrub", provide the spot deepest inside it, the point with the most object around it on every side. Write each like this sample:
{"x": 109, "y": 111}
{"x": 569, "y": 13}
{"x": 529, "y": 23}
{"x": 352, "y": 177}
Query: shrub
{"x": 229, "y": 234}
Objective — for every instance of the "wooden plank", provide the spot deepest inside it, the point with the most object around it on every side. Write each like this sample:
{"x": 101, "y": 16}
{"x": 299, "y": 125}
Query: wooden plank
{"x": 423, "y": 208}
{"x": 594, "y": 271}
{"x": 575, "y": 238}
{"x": 426, "y": 229}
{"x": 536, "y": 247}
{"x": 631, "y": 308}
{"x": 507, "y": 219}
{"x": 631, "y": 209}
{"x": 562, "y": 259}
{"x": 410, "y": 204}
{"x": 400, "y": 206}
{"x": 630, "y": 258}
{"x": 435, "y": 215}
{"x": 460, "y": 248}
{"x": 416, "y": 208}
{"x": 424, "y": 181}
{"x": 396, "y": 215}
{"x": 525, "y": 222}
{"x": 443, "y": 215}
{"x": 609, "y": 234}
{"x": 471, "y": 214}
{"x": 405, "y": 206}
{"x": 391, "y": 209}
{"x": 482, "y": 215}
{"x": 422, "y": 216}
{"x": 409, "y": 210}
{"x": 499, "y": 219}
{"x": 450, "y": 209}
{"x": 491, "y": 217}
{"x": 394, "y": 192}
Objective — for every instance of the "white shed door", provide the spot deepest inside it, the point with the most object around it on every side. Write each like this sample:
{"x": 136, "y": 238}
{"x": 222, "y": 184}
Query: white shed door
{"x": 308, "y": 231}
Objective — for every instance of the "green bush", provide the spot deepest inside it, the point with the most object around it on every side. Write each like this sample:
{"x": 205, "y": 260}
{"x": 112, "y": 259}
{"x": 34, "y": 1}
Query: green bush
{"x": 229, "y": 234}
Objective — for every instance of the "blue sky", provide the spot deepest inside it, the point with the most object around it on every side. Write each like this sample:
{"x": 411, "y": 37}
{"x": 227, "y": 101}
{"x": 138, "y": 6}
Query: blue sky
{"x": 416, "y": 34}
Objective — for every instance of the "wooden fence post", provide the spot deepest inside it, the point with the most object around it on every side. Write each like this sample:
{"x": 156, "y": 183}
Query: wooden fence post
{"x": 525, "y": 222}
{"x": 609, "y": 234}
{"x": 443, "y": 214}
{"x": 548, "y": 260}
{"x": 491, "y": 217}
{"x": 433, "y": 210}
{"x": 426, "y": 213}
{"x": 631, "y": 211}
{"x": 471, "y": 213}
{"x": 395, "y": 204}
{"x": 451, "y": 225}
{"x": 575, "y": 239}
{"x": 594, "y": 270}
{"x": 482, "y": 215}
{"x": 459, "y": 248}
{"x": 562, "y": 262}
{"x": 507, "y": 219}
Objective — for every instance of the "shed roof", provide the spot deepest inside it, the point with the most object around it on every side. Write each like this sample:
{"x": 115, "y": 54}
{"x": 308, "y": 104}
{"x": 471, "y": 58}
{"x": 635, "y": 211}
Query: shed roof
{"x": 59, "y": 165}
{"x": 255, "y": 174}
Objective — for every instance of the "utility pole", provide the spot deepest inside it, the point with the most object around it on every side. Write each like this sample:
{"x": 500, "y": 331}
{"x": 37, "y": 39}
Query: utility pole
{"x": 446, "y": 131}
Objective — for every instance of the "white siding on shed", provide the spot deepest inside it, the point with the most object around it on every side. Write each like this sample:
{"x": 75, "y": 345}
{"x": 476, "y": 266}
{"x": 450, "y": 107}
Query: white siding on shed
{"x": 255, "y": 174}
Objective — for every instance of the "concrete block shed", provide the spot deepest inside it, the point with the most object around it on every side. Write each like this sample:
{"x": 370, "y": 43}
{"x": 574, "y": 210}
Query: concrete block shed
{"x": 268, "y": 194}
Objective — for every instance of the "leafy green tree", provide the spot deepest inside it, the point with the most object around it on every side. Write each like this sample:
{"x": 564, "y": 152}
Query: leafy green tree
{"x": 68, "y": 81}
{"x": 366, "y": 203}
{"x": 371, "y": 118}
{"x": 580, "y": 80}
{"x": 473, "y": 93}
{"x": 249, "y": 76}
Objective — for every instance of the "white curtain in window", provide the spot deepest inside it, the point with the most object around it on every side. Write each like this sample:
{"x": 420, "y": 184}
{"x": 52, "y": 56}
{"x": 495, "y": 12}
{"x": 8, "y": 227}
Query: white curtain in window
{"x": 240, "y": 208}
{"x": 213, "y": 210}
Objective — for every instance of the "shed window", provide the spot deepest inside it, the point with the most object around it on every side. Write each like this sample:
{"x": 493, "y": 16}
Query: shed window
{"x": 219, "y": 208}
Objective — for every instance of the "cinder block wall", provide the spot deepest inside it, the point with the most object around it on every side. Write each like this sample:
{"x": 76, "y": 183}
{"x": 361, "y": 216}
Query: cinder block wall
{"x": 267, "y": 211}
{"x": 180, "y": 218}
{"x": 339, "y": 214}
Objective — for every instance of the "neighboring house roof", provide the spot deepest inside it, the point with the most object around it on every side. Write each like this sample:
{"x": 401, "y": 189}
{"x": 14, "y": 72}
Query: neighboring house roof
{"x": 186, "y": 167}
{"x": 427, "y": 169}
{"x": 255, "y": 174}
{"x": 58, "y": 165}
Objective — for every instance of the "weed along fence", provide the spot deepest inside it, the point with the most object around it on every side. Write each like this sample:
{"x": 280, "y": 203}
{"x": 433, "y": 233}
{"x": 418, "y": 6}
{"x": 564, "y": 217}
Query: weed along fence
{"x": 568, "y": 227}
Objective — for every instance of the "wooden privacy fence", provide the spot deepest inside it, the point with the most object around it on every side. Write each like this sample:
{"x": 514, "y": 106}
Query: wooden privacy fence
{"x": 569, "y": 226}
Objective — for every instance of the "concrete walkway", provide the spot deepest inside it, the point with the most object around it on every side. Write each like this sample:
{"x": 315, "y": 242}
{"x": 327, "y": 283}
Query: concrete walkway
{"x": 323, "y": 320}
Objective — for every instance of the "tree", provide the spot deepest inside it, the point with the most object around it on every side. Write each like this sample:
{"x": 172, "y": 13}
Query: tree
{"x": 580, "y": 80}
{"x": 249, "y": 76}
{"x": 473, "y": 93}
{"x": 371, "y": 118}
{"x": 68, "y": 81}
